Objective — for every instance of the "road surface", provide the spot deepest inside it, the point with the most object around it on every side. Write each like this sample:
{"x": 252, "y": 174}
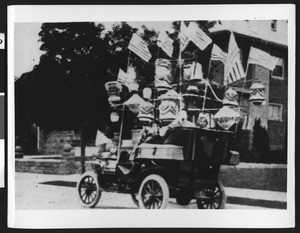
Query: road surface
{"x": 52, "y": 192}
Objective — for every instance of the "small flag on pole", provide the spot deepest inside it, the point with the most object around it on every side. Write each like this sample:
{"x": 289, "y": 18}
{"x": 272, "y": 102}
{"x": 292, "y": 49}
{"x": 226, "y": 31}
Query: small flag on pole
{"x": 259, "y": 57}
{"x": 218, "y": 54}
{"x": 198, "y": 37}
{"x": 139, "y": 47}
{"x": 128, "y": 79}
{"x": 165, "y": 43}
{"x": 233, "y": 68}
{"x": 184, "y": 36}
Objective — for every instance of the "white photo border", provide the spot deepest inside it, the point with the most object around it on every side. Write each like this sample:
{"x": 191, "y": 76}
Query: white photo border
{"x": 96, "y": 218}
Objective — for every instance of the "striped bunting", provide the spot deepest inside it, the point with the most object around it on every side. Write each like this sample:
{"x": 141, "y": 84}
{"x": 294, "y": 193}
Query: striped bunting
{"x": 218, "y": 54}
{"x": 139, "y": 47}
{"x": 165, "y": 43}
{"x": 259, "y": 57}
{"x": 233, "y": 66}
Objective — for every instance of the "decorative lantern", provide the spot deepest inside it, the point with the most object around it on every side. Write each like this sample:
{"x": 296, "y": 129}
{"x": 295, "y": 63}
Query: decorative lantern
{"x": 146, "y": 111}
{"x": 162, "y": 70}
{"x": 169, "y": 106}
{"x": 257, "y": 93}
{"x": 168, "y": 110}
{"x": 192, "y": 71}
{"x": 162, "y": 87}
{"x": 113, "y": 89}
{"x": 134, "y": 102}
{"x": 147, "y": 93}
{"x": 230, "y": 98}
{"x": 226, "y": 117}
{"x": 193, "y": 89}
{"x": 114, "y": 117}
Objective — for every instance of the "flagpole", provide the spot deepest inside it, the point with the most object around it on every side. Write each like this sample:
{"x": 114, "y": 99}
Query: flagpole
{"x": 155, "y": 91}
{"x": 128, "y": 59}
{"x": 205, "y": 93}
{"x": 241, "y": 98}
{"x": 121, "y": 132}
{"x": 180, "y": 75}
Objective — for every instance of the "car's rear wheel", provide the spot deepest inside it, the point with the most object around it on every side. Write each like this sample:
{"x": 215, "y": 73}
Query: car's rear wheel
{"x": 212, "y": 196}
{"x": 88, "y": 189}
{"x": 153, "y": 193}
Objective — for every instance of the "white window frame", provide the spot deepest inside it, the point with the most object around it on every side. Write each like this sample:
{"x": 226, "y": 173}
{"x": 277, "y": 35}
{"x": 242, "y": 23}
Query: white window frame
{"x": 280, "y": 63}
{"x": 280, "y": 111}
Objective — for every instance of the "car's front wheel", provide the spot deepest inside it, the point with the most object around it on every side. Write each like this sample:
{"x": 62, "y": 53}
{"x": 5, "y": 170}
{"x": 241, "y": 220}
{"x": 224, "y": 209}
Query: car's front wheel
{"x": 153, "y": 193}
{"x": 88, "y": 189}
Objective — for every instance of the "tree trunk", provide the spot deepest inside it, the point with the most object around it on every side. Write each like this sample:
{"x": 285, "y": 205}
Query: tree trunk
{"x": 83, "y": 145}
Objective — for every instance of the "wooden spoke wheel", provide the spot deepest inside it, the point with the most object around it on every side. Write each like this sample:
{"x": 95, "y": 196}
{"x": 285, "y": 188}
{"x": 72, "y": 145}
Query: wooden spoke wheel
{"x": 212, "y": 197}
{"x": 88, "y": 188}
{"x": 153, "y": 193}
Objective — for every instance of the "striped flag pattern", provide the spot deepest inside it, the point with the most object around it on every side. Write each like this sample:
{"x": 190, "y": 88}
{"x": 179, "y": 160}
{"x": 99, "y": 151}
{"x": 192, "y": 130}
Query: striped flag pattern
{"x": 218, "y": 54}
{"x": 198, "y": 37}
{"x": 233, "y": 66}
{"x": 139, "y": 47}
{"x": 259, "y": 57}
{"x": 165, "y": 43}
{"x": 184, "y": 36}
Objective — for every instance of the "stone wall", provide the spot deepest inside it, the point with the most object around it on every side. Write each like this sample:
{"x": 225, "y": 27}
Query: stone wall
{"x": 53, "y": 142}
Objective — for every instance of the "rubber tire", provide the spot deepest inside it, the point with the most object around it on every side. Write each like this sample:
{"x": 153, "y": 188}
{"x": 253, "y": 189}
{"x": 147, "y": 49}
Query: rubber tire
{"x": 163, "y": 185}
{"x": 223, "y": 198}
{"x": 98, "y": 191}
{"x": 135, "y": 198}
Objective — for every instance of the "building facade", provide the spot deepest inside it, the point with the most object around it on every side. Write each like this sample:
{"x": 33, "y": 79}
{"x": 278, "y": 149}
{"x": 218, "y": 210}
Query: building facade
{"x": 269, "y": 36}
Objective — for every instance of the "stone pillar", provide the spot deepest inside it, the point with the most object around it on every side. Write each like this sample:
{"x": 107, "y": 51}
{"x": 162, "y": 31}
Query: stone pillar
{"x": 18, "y": 152}
{"x": 68, "y": 156}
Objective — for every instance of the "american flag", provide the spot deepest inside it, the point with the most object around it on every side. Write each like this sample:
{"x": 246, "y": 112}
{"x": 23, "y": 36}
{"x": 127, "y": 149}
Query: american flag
{"x": 184, "y": 36}
{"x": 139, "y": 47}
{"x": 233, "y": 67}
{"x": 257, "y": 56}
{"x": 198, "y": 37}
{"x": 165, "y": 43}
{"x": 217, "y": 54}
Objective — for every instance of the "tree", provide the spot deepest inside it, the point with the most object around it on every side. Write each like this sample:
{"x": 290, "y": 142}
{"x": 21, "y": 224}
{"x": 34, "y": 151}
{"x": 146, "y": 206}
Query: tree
{"x": 66, "y": 88}
{"x": 260, "y": 140}
{"x": 118, "y": 39}
{"x": 67, "y": 84}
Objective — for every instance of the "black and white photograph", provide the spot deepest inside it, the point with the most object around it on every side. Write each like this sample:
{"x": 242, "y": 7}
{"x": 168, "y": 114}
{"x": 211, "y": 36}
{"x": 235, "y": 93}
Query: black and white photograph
{"x": 190, "y": 116}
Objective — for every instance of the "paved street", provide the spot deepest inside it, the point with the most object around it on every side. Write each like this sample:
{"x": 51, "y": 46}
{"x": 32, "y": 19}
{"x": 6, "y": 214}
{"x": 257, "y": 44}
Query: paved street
{"x": 59, "y": 193}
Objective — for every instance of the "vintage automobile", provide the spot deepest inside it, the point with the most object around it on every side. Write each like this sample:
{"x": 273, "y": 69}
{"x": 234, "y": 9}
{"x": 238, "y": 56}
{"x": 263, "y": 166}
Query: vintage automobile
{"x": 184, "y": 165}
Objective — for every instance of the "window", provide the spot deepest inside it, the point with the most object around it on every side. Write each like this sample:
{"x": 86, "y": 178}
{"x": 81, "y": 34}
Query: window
{"x": 275, "y": 112}
{"x": 274, "y": 25}
{"x": 278, "y": 71}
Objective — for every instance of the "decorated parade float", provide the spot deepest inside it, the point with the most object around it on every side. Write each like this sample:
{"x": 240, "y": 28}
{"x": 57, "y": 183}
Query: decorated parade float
{"x": 183, "y": 131}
